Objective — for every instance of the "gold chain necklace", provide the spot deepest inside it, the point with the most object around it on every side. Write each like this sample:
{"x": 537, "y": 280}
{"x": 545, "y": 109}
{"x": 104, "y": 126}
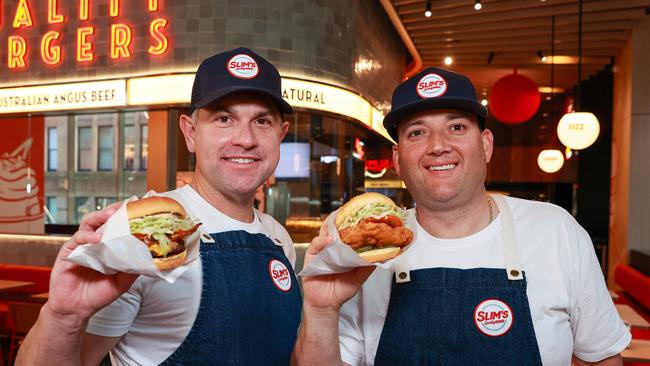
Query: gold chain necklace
{"x": 490, "y": 209}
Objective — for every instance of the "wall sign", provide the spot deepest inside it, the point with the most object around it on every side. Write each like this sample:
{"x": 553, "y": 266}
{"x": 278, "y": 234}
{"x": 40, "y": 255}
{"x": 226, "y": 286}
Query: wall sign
{"x": 95, "y": 94}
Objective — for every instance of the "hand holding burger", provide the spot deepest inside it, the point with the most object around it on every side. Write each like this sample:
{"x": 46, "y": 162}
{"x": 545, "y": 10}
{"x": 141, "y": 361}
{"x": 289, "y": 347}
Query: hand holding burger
{"x": 162, "y": 224}
{"x": 373, "y": 226}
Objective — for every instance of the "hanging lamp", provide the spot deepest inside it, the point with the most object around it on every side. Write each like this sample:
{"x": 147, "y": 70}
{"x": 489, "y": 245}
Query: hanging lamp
{"x": 578, "y": 130}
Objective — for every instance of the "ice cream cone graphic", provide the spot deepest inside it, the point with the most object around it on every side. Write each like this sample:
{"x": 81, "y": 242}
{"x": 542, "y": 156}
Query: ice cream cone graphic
{"x": 18, "y": 187}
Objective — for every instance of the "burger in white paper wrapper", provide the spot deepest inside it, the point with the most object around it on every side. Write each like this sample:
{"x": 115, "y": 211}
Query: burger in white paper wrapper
{"x": 162, "y": 224}
{"x": 373, "y": 226}
{"x": 367, "y": 230}
{"x": 152, "y": 236}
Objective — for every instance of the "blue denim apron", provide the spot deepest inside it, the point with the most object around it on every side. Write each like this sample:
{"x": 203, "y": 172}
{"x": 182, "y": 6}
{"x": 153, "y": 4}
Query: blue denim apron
{"x": 250, "y": 304}
{"x": 447, "y": 316}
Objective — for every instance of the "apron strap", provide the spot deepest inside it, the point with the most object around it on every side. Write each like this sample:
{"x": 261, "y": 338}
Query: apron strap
{"x": 510, "y": 249}
{"x": 267, "y": 227}
{"x": 402, "y": 271}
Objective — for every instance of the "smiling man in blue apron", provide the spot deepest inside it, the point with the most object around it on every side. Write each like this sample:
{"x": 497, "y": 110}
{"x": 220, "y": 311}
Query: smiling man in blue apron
{"x": 240, "y": 303}
{"x": 488, "y": 279}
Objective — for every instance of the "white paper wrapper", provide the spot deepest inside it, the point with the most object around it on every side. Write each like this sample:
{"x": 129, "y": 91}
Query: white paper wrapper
{"x": 338, "y": 257}
{"x": 119, "y": 251}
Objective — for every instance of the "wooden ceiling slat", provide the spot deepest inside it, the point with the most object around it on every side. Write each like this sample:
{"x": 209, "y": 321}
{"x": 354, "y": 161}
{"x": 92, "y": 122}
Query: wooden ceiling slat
{"x": 531, "y": 31}
{"x": 514, "y": 7}
{"x": 467, "y": 10}
{"x": 516, "y": 40}
{"x": 568, "y": 22}
{"x": 543, "y": 17}
{"x": 566, "y": 49}
{"x": 515, "y": 30}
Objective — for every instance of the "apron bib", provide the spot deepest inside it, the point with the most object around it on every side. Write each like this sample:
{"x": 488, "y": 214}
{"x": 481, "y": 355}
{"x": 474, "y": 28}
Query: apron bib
{"x": 250, "y": 304}
{"x": 448, "y": 316}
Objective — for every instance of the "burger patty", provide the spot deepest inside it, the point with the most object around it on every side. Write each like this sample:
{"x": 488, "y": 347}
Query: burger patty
{"x": 377, "y": 232}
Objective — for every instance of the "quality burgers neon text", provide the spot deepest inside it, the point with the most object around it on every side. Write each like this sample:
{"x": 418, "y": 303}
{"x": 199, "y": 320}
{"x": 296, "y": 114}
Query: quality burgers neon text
{"x": 19, "y": 51}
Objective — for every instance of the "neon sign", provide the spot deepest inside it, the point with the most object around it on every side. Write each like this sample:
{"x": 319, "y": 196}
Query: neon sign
{"x": 120, "y": 35}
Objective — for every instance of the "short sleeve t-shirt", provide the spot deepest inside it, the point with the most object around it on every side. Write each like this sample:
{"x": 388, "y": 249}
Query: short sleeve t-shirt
{"x": 571, "y": 308}
{"x": 154, "y": 317}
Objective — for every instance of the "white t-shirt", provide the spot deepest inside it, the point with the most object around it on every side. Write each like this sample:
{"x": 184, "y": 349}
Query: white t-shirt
{"x": 571, "y": 309}
{"x": 154, "y": 317}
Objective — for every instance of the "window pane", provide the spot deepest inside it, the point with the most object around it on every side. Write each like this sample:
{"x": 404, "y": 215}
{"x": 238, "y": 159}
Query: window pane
{"x": 82, "y": 207}
{"x": 144, "y": 155}
{"x": 105, "y": 148}
{"x": 105, "y": 137}
{"x": 51, "y": 210}
{"x": 52, "y": 156}
{"x": 129, "y": 147}
{"x": 84, "y": 143}
{"x": 102, "y": 202}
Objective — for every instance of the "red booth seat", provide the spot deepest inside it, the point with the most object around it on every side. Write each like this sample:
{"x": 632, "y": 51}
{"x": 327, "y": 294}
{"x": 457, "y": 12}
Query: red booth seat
{"x": 39, "y": 275}
{"x": 634, "y": 283}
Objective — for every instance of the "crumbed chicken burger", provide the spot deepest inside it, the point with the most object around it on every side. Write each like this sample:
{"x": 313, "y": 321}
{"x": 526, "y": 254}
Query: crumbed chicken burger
{"x": 373, "y": 226}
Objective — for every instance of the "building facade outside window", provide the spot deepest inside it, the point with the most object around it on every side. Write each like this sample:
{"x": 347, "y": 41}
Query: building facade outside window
{"x": 144, "y": 154}
{"x": 105, "y": 153}
{"x": 91, "y": 171}
{"x": 52, "y": 145}
{"x": 82, "y": 207}
{"x": 129, "y": 147}
{"x": 84, "y": 149}
{"x": 51, "y": 210}
{"x": 102, "y": 202}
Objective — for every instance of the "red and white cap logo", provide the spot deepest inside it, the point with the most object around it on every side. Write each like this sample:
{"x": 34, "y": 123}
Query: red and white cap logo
{"x": 493, "y": 317}
{"x": 431, "y": 86}
{"x": 280, "y": 275}
{"x": 242, "y": 66}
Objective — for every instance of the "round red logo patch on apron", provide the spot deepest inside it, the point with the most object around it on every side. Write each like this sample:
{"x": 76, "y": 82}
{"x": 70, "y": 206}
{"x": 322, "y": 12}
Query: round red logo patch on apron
{"x": 493, "y": 317}
{"x": 280, "y": 275}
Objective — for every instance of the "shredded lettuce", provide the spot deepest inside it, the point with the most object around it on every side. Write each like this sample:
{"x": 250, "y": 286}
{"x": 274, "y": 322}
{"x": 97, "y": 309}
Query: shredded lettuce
{"x": 158, "y": 226}
{"x": 375, "y": 210}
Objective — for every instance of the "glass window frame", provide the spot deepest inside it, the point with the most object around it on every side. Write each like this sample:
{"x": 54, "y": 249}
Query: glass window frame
{"x": 125, "y": 166}
{"x": 52, "y": 152}
{"x": 144, "y": 146}
{"x": 101, "y": 149}
{"x": 86, "y": 151}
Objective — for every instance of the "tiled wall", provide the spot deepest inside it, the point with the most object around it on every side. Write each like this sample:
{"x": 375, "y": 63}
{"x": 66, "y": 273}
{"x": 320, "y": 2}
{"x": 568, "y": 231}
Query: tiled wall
{"x": 322, "y": 39}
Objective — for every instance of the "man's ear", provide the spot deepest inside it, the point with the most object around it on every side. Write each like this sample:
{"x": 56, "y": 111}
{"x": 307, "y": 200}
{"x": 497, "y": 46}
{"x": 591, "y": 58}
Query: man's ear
{"x": 487, "y": 140}
{"x": 396, "y": 159}
{"x": 189, "y": 131}
{"x": 285, "y": 129}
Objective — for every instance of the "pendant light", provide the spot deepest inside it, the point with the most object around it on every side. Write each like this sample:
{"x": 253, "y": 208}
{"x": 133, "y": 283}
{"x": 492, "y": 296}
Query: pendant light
{"x": 578, "y": 130}
{"x": 550, "y": 161}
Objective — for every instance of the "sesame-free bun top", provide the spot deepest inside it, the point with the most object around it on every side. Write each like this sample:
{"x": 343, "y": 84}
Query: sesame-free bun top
{"x": 358, "y": 202}
{"x": 154, "y": 205}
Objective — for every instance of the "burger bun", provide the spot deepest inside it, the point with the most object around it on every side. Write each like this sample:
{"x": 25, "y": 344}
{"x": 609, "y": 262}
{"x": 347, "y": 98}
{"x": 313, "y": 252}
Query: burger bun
{"x": 171, "y": 261}
{"x": 380, "y": 255}
{"x": 154, "y": 205}
{"x": 357, "y": 203}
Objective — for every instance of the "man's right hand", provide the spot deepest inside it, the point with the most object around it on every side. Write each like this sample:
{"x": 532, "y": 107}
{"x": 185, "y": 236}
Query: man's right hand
{"x": 80, "y": 291}
{"x": 330, "y": 292}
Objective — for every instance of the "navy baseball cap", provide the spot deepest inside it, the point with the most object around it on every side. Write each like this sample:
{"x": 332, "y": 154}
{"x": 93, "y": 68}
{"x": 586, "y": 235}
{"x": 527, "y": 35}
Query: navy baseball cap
{"x": 238, "y": 70}
{"x": 430, "y": 89}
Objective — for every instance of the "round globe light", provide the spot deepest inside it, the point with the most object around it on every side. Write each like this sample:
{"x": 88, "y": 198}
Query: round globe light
{"x": 578, "y": 130}
{"x": 550, "y": 161}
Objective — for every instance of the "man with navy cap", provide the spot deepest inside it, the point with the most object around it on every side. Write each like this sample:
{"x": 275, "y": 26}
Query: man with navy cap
{"x": 488, "y": 279}
{"x": 239, "y": 303}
